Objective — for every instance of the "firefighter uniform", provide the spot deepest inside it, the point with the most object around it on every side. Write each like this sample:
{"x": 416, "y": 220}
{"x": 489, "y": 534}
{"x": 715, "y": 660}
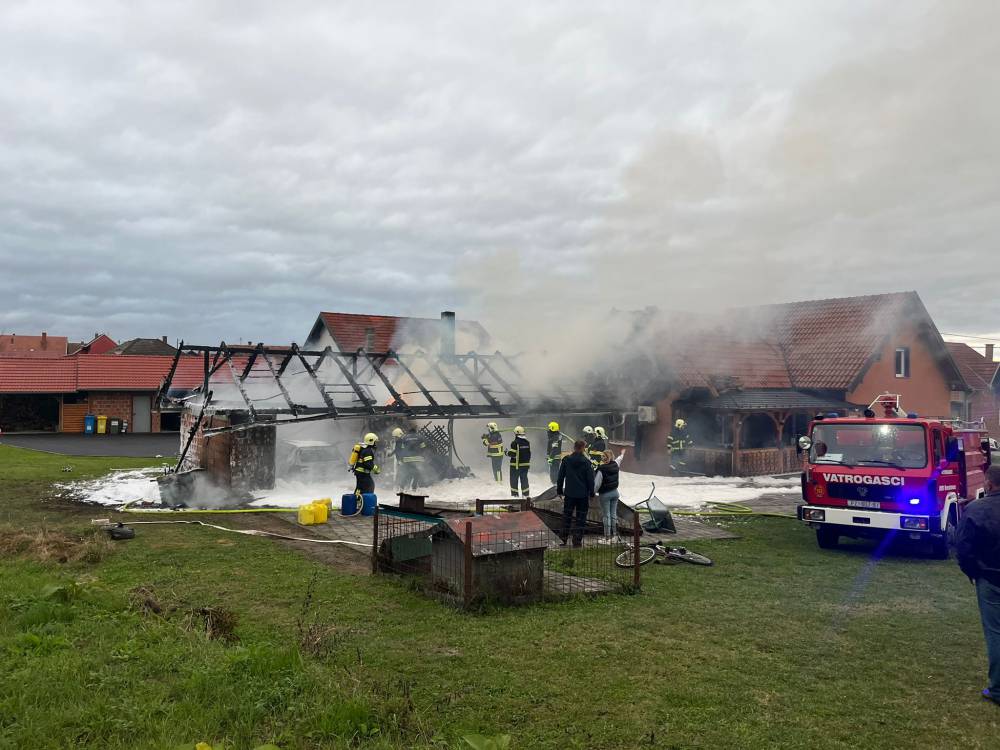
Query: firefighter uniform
{"x": 595, "y": 451}
{"x": 493, "y": 442}
{"x": 553, "y": 451}
{"x": 410, "y": 454}
{"x": 520, "y": 461}
{"x": 678, "y": 444}
{"x": 364, "y": 469}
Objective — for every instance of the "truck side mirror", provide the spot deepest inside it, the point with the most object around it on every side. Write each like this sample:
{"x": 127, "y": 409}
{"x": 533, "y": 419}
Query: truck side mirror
{"x": 803, "y": 444}
{"x": 952, "y": 450}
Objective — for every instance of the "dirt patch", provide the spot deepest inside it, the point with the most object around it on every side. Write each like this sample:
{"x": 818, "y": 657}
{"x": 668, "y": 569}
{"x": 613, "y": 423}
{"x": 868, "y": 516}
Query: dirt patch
{"x": 48, "y": 545}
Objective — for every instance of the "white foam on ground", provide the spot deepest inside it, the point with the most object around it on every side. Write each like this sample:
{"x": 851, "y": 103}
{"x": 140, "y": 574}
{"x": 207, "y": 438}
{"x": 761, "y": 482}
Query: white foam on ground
{"x": 139, "y": 486}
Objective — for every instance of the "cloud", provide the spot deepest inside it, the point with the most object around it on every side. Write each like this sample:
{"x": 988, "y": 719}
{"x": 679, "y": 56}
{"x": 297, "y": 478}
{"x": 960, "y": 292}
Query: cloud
{"x": 216, "y": 170}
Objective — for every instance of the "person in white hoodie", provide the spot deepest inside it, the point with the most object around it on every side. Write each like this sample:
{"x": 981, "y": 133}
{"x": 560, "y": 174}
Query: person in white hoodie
{"x": 606, "y": 489}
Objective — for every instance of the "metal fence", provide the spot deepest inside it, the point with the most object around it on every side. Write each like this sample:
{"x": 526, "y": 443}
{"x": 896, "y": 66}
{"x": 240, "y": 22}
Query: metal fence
{"x": 505, "y": 558}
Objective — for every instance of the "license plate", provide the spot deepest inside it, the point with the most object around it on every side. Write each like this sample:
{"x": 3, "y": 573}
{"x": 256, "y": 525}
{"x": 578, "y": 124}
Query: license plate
{"x": 869, "y": 504}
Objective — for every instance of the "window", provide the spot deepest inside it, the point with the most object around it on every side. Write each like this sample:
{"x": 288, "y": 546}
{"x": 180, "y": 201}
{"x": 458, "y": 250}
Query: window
{"x": 890, "y": 444}
{"x": 938, "y": 449}
{"x": 369, "y": 339}
{"x": 903, "y": 362}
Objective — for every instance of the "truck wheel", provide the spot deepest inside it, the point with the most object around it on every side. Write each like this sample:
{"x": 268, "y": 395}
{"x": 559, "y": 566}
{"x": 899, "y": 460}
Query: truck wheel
{"x": 827, "y": 537}
{"x": 939, "y": 548}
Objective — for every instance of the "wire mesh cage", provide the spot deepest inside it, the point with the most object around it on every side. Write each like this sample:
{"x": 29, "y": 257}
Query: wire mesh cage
{"x": 503, "y": 558}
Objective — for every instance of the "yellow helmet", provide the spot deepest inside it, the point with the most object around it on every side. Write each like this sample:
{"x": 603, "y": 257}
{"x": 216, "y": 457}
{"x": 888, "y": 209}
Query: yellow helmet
{"x": 588, "y": 430}
{"x": 600, "y": 432}
{"x": 680, "y": 424}
{"x": 519, "y": 430}
{"x": 397, "y": 433}
{"x": 553, "y": 427}
{"x": 493, "y": 426}
{"x": 371, "y": 438}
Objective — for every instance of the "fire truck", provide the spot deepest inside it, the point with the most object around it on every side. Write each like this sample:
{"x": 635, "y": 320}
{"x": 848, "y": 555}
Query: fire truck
{"x": 891, "y": 474}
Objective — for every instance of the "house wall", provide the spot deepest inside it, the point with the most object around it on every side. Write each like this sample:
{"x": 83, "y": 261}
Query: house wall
{"x": 118, "y": 404}
{"x": 926, "y": 391}
{"x": 985, "y": 405}
{"x": 653, "y": 455}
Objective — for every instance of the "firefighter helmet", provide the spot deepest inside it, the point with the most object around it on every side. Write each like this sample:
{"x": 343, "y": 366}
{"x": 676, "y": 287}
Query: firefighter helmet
{"x": 588, "y": 430}
{"x": 600, "y": 432}
{"x": 680, "y": 424}
{"x": 519, "y": 430}
{"x": 553, "y": 427}
{"x": 371, "y": 438}
{"x": 397, "y": 433}
{"x": 492, "y": 426}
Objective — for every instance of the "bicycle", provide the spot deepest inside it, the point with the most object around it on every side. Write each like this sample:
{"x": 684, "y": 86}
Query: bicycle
{"x": 668, "y": 555}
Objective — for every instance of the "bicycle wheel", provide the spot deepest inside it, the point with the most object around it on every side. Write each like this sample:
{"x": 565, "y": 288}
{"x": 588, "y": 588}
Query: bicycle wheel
{"x": 627, "y": 558}
{"x": 681, "y": 553}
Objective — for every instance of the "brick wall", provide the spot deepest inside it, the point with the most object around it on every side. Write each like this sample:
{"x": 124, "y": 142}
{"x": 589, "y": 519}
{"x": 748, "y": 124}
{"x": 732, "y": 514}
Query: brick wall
{"x": 118, "y": 404}
{"x": 985, "y": 405}
{"x": 240, "y": 461}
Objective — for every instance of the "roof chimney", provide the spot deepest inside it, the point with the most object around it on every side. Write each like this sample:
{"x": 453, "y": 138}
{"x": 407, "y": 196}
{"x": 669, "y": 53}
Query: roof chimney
{"x": 447, "y": 335}
{"x": 989, "y": 352}
{"x": 45, "y": 340}
{"x": 163, "y": 339}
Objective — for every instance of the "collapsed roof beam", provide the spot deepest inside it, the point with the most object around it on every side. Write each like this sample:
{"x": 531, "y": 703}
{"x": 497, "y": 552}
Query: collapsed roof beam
{"x": 423, "y": 389}
{"x": 377, "y": 369}
{"x": 277, "y": 379}
{"x": 482, "y": 388}
{"x": 312, "y": 375}
{"x": 358, "y": 390}
{"x": 238, "y": 381}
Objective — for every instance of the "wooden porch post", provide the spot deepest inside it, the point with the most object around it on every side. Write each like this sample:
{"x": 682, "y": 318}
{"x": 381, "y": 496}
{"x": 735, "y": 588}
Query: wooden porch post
{"x": 737, "y": 424}
{"x": 779, "y": 428}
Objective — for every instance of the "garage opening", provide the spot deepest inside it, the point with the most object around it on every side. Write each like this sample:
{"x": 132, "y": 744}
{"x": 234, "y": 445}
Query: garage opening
{"x": 29, "y": 413}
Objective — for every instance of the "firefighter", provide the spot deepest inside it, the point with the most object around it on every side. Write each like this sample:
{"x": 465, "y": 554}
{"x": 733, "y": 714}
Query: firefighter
{"x": 493, "y": 442}
{"x": 595, "y": 451}
{"x": 678, "y": 444}
{"x": 411, "y": 459}
{"x": 364, "y": 466}
{"x": 553, "y": 451}
{"x": 588, "y": 434}
{"x": 397, "y": 447}
{"x": 520, "y": 462}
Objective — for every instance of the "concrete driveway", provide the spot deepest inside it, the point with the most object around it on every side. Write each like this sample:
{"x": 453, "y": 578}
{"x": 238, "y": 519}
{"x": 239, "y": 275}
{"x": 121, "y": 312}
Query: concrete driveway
{"x": 135, "y": 445}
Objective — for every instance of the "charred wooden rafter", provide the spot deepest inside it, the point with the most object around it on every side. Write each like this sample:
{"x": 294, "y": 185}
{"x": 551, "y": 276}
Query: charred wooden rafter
{"x": 454, "y": 375}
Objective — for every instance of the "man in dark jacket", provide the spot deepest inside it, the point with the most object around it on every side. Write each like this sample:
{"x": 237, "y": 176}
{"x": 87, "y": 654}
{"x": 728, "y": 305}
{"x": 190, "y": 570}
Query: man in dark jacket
{"x": 978, "y": 547}
{"x": 575, "y": 486}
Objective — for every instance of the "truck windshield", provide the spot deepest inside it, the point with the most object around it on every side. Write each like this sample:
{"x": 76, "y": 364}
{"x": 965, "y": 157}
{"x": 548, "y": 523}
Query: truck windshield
{"x": 902, "y": 446}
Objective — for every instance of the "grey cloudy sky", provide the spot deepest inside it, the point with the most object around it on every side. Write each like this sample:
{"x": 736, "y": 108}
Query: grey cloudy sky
{"x": 214, "y": 170}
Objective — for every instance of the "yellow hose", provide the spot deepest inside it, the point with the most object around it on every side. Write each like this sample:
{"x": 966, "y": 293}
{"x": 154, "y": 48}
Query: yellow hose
{"x": 202, "y": 510}
{"x": 730, "y": 509}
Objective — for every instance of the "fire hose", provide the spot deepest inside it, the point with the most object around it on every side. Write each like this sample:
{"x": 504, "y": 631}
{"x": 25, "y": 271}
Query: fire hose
{"x": 253, "y": 532}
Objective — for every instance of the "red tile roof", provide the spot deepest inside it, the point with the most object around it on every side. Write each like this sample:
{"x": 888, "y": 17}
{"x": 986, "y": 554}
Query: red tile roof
{"x": 96, "y": 372}
{"x": 978, "y": 371}
{"x": 100, "y": 344}
{"x": 829, "y": 343}
{"x": 37, "y": 375}
{"x": 32, "y": 346}
{"x": 388, "y": 332}
{"x": 825, "y": 344}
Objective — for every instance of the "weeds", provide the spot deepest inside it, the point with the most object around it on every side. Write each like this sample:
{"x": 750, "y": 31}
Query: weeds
{"x": 320, "y": 640}
{"x": 217, "y": 623}
{"x": 47, "y": 545}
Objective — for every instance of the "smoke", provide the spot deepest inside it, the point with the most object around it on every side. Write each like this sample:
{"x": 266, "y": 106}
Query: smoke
{"x": 872, "y": 175}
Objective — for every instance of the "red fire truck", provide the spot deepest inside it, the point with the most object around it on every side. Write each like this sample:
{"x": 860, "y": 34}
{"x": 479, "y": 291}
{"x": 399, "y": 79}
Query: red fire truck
{"x": 891, "y": 474}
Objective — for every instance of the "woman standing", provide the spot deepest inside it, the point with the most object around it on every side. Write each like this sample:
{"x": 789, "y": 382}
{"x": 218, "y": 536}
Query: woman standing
{"x": 606, "y": 487}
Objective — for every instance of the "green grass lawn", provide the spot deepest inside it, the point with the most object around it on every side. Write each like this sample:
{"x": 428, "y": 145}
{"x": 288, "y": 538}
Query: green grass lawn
{"x": 779, "y": 645}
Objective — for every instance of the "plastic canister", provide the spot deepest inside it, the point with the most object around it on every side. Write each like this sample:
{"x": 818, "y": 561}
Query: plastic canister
{"x": 320, "y": 512}
{"x": 102, "y": 424}
{"x": 89, "y": 424}
{"x": 348, "y": 504}
{"x": 306, "y": 515}
{"x": 369, "y": 501}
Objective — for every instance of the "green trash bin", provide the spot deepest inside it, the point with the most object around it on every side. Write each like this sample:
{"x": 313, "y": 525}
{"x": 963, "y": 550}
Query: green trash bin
{"x": 114, "y": 425}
